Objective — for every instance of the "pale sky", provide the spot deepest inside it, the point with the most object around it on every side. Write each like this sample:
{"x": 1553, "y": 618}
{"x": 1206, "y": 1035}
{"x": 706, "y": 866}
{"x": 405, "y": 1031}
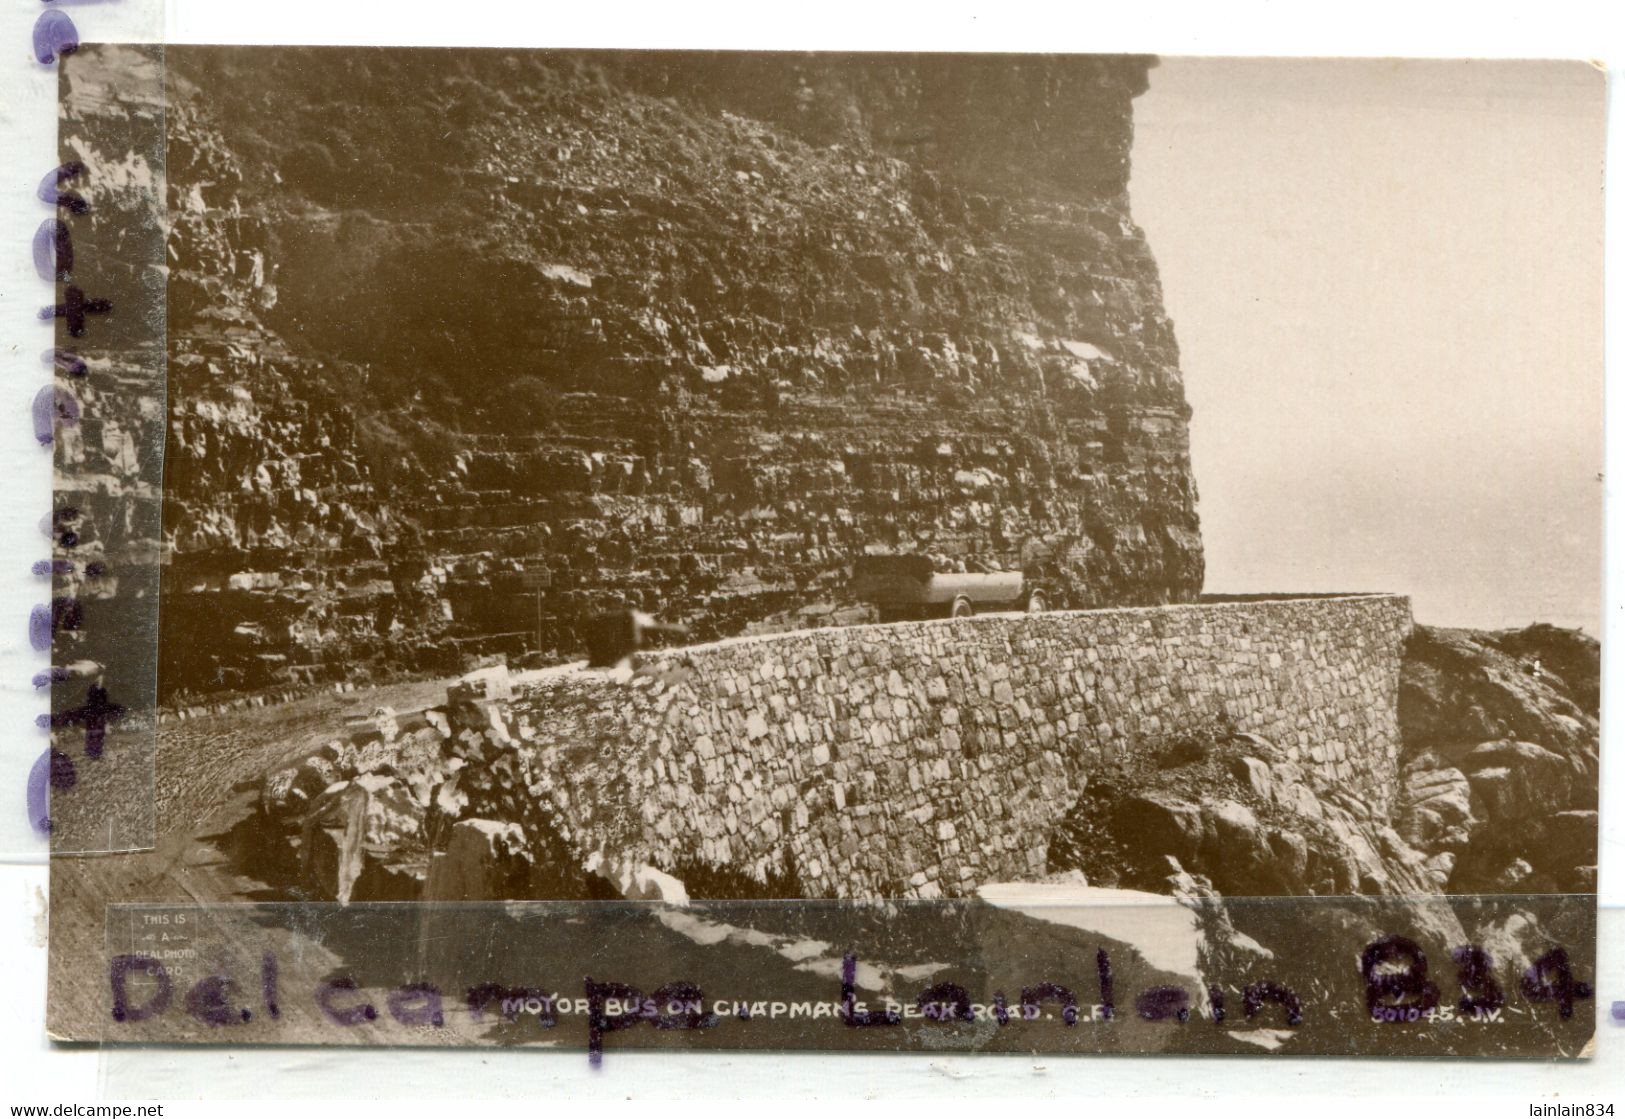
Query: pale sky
{"x": 1386, "y": 282}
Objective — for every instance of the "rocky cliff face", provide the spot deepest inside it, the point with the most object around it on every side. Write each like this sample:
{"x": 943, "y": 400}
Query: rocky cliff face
{"x": 1501, "y": 763}
{"x": 466, "y": 344}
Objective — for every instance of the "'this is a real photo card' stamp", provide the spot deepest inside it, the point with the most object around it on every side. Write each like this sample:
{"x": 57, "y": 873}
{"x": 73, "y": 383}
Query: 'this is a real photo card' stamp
{"x": 697, "y": 549}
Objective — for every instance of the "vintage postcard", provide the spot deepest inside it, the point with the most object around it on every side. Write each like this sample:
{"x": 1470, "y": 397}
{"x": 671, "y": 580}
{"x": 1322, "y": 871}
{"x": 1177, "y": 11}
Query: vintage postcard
{"x": 704, "y": 550}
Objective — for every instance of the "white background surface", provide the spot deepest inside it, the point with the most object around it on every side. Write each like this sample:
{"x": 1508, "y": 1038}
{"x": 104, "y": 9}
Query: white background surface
{"x": 35, "y": 1072}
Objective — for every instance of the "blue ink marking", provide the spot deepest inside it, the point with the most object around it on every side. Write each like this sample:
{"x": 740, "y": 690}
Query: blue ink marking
{"x": 1256, "y": 995}
{"x": 1157, "y": 1004}
{"x": 1617, "y": 1011}
{"x": 1103, "y": 970}
{"x": 96, "y": 714}
{"x": 1409, "y": 987}
{"x": 1476, "y": 972}
{"x": 74, "y": 307}
{"x": 1549, "y": 979}
{"x": 52, "y": 567}
{"x": 122, "y": 966}
{"x": 416, "y": 1004}
{"x": 39, "y": 627}
{"x": 268, "y": 984}
{"x": 343, "y": 1015}
{"x": 51, "y": 192}
{"x": 206, "y": 1001}
{"x": 692, "y": 1001}
{"x": 619, "y": 1006}
{"x": 689, "y": 1012}
{"x": 598, "y": 1022}
{"x": 52, "y": 521}
{"x": 39, "y": 797}
{"x": 53, "y": 251}
{"x": 849, "y": 997}
{"x": 54, "y": 35}
{"x": 57, "y": 772}
{"x": 1032, "y": 997}
{"x": 944, "y": 1002}
{"x": 53, "y": 405}
{"x": 66, "y": 362}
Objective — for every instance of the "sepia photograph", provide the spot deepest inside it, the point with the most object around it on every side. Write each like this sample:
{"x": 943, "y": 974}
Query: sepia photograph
{"x": 1048, "y": 553}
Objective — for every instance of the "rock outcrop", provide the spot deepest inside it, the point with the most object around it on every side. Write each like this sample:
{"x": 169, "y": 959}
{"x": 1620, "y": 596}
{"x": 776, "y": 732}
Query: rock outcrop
{"x": 1501, "y": 769}
{"x": 1496, "y": 796}
{"x": 427, "y": 805}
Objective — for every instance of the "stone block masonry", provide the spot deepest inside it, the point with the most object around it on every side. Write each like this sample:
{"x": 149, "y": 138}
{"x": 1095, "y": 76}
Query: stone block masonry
{"x": 924, "y": 759}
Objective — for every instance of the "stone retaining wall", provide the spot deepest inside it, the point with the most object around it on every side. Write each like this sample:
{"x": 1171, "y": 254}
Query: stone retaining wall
{"x": 926, "y": 758}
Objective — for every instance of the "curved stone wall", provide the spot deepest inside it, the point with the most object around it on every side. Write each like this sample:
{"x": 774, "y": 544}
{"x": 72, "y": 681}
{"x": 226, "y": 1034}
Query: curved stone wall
{"x": 926, "y": 758}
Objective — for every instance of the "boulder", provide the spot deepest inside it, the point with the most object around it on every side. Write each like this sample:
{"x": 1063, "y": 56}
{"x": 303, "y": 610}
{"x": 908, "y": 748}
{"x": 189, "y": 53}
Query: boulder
{"x": 1300, "y": 800}
{"x": 1434, "y": 806}
{"x": 1364, "y": 867}
{"x": 366, "y": 753}
{"x": 385, "y": 722}
{"x": 637, "y": 881}
{"x": 484, "y": 860}
{"x": 369, "y": 819}
{"x": 478, "y": 725}
{"x": 1258, "y": 744}
{"x": 1165, "y": 931}
{"x": 1235, "y": 852}
{"x": 426, "y": 779}
{"x": 1462, "y": 687}
{"x": 1438, "y": 869}
{"x": 1518, "y": 781}
{"x": 1513, "y": 941}
{"x": 1223, "y": 950}
{"x": 330, "y": 849}
{"x": 1513, "y": 877}
{"x": 1290, "y": 858}
{"x": 1156, "y": 823}
{"x": 1349, "y": 802}
{"x": 450, "y": 799}
{"x": 1568, "y": 839}
{"x": 493, "y": 682}
{"x": 648, "y": 884}
{"x": 288, "y": 793}
{"x": 1254, "y": 776}
{"x": 1568, "y": 657}
{"x": 393, "y": 816}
